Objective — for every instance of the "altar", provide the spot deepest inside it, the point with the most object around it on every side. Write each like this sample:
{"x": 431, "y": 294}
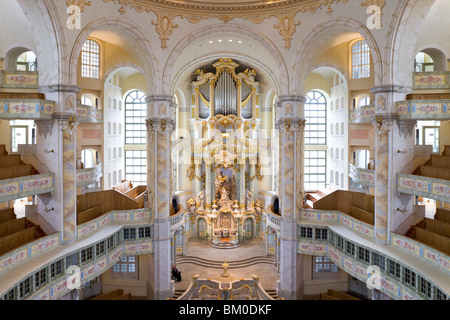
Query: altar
{"x": 225, "y": 168}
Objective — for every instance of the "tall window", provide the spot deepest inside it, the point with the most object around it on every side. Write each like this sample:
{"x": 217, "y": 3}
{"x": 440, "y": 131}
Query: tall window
{"x": 135, "y": 138}
{"x": 316, "y": 119}
{"x": 360, "y": 60}
{"x": 315, "y": 141}
{"x": 135, "y": 114}
{"x": 90, "y": 60}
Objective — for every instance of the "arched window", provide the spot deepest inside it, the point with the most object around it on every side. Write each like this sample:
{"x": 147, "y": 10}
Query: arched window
{"x": 136, "y": 138}
{"x": 135, "y": 115}
{"x": 360, "y": 60}
{"x": 90, "y": 60}
{"x": 316, "y": 119}
{"x": 424, "y": 63}
{"x": 316, "y": 136}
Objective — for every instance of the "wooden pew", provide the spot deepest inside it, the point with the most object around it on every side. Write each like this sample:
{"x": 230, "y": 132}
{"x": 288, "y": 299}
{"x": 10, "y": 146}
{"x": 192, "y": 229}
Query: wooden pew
{"x": 3, "y": 150}
{"x": 137, "y": 193}
{"x": 436, "y": 173}
{"x": 341, "y": 295}
{"x": 109, "y": 295}
{"x": 432, "y": 239}
{"x": 362, "y": 215}
{"x": 438, "y": 227}
{"x": 442, "y": 215}
{"x": 7, "y": 214}
{"x": 123, "y": 187}
{"x": 17, "y": 239}
{"x": 324, "y": 296}
{"x": 123, "y": 297}
{"x": 440, "y": 161}
{"x": 15, "y": 172}
{"x": 9, "y": 161}
{"x": 88, "y": 215}
{"x": 13, "y": 226}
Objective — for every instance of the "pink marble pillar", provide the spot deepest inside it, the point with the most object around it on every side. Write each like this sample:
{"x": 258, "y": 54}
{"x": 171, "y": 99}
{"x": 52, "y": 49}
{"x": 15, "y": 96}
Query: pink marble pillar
{"x": 160, "y": 126}
{"x": 291, "y": 192}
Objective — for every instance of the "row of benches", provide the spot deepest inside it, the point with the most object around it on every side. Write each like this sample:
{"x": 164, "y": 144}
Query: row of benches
{"x": 11, "y": 166}
{"x": 15, "y": 233}
{"x": 114, "y": 295}
{"x": 336, "y": 295}
{"x": 434, "y": 232}
{"x": 438, "y": 167}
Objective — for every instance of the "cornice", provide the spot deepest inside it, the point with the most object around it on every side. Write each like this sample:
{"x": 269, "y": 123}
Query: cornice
{"x": 256, "y": 11}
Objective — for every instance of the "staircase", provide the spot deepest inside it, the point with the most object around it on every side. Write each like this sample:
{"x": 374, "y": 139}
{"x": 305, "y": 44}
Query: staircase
{"x": 273, "y": 293}
{"x": 313, "y": 197}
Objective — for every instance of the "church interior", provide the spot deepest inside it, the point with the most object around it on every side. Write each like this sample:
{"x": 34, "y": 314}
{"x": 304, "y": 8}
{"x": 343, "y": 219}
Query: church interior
{"x": 224, "y": 150}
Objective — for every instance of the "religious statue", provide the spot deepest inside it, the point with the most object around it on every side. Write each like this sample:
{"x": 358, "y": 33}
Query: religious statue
{"x": 218, "y": 184}
{"x": 201, "y": 201}
{"x": 258, "y": 207}
{"x": 225, "y": 201}
{"x": 250, "y": 203}
{"x": 192, "y": 207}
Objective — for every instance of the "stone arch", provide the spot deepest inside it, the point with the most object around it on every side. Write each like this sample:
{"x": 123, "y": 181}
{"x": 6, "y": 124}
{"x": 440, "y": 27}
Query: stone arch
{"x": 281, "y": 82}
{"x": 311, "y": 45}
{"x": 47, "y": 32}
{"x": 438, "y": 54}
{"x": 111, "y": 71}
{"x": 140, "y": 41}
{"x": 400, "y": 49}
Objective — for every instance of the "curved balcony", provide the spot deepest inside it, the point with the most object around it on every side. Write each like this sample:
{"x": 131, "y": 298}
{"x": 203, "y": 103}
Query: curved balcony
{"x": 89, "y": 176}
{"x": 273, "y": 220}
{"x": 362, "y": 114}
{"x": 431, "y": 80}
{"x": 88, "y": 114}
{"x": 428, "y": 109}
{"x": 19, "y": 79}
{"x": 362, "y": 177}
{"x": 100, "y": 244}
{"x": 18, "y": 188}
{"x": 427, "y": 187}
{"x": 27, "y": 109}
{"x": 350, "y": 244}
{"x": 177, "y": 219}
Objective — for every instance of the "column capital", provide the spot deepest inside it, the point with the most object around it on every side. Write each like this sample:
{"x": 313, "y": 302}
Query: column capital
{"x": 290, "y": 106}
{"x": 160, "y": 125}
{"x": 160, "y": 106}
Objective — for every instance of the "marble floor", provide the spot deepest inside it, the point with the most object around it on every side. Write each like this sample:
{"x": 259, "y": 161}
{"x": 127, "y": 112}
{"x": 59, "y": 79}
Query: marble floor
{"x": 250, "y": 255}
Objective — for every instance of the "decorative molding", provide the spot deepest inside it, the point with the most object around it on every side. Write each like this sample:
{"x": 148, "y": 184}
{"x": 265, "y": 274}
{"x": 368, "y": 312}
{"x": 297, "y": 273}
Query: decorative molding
{"x": 45, "y": 127}
{"x": 164, "y": 26}
{"x": 78, "y": 3}
{"x": 379, "y": 3}
{"x": 286, "y": 26}
{"x": 69, "y": 126}
{"x": 291, "y": 125}
{"x": 382, "y": 124}
{"x": 161, "y": 126}
{"x": 406, "y": 127}
{"x": 254, "y": 11}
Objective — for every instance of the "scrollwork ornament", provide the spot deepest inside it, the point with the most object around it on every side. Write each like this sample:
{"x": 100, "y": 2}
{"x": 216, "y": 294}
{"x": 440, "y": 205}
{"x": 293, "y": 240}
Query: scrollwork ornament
{"x": 381, "y": 125}
{"x": 69, "y": 126}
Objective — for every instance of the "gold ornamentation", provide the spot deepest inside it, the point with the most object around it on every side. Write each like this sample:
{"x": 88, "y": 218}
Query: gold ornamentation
{"x": 164, "y": 26}
{"x": 379, "y": 3}
{"x": 79, "y": 3}
{"x": 256, "y": 13}
{"x": 286, "y": 26}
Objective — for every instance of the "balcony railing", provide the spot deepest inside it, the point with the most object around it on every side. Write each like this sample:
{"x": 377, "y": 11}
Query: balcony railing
{"x": 431, "y": 80}
{"x": 89, "y": 114}
{"x": 361, "y": 176}
{"x": 89, "y": 176}
{"x": 29, "y": 109}
{"x": 19, "y": 79}
{"x": 17, "y": 188}
{"x": 362, "y": 114}
{"x": 430, "y": 188}
{"x": 424, "y": 110}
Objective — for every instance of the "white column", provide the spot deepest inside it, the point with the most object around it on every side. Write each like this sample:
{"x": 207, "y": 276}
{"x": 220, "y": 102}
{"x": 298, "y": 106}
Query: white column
{"x": 160, "y": 125}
